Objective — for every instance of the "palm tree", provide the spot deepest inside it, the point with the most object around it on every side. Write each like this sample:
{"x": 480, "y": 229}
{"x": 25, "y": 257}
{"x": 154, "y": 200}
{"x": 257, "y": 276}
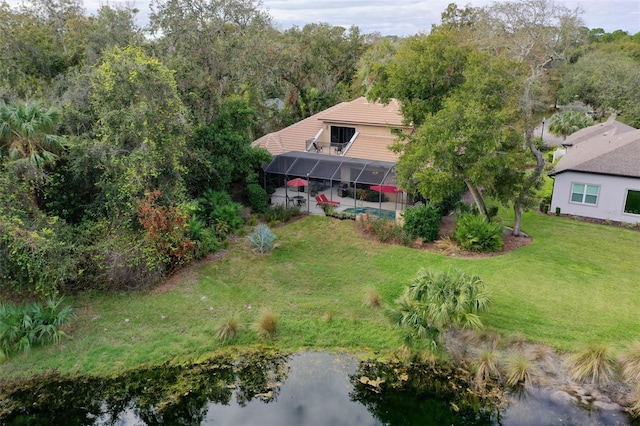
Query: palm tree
{"x": 437, "y": 300}
{"x": 568, "y": 122}
{"x": 25, "y": 133}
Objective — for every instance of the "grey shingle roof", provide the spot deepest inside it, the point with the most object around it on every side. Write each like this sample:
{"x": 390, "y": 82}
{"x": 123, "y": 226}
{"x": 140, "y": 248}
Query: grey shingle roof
{"x": 609, "y": 127}
{"x": 604, "y": 153}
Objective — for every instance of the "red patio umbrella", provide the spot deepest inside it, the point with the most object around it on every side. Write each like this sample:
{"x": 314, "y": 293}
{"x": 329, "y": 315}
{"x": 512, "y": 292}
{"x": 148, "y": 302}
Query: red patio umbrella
{"x": 298, "y": 182}
{"x": 388, "y": 189}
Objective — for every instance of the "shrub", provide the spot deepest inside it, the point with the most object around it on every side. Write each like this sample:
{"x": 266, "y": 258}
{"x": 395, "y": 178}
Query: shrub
{"x": 228, "y": 329}
{"x": 22, "y": 327}
{"x": 447, "y": 246}
{"x": 262, "y": 238}
{"x": 209, "y": 201}
{"x": 258, "y": 198}
{"x": 280, "y": 213}
{"x": 204, "y": 238}
{"x": 594, "y": 364}
{"x": 634, "y": 409}
{"x": 267, "y": 324}
{"x": 438, "y": 300}
{"x": 166, "y": 229}
{"x": 226, "y": 218}
{"x": 36, "y": 258}
{"x": 449, "y": 202}
{"x": 369, "y": 195}
{"x": 474, "y": 233}
{"x": 121, "y": 261}
{"x": 422, "y": 222}
{"x": 383, "y": 229}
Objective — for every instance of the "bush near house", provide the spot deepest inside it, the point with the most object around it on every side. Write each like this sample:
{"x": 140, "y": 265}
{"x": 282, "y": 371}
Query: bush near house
{"x": 422, "y": 222}
{"x": 258, "y": 198}
{"x": 474, "y": 233}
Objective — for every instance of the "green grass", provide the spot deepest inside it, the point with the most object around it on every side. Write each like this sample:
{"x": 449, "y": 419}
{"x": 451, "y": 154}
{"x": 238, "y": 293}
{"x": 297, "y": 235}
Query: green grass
{"x": 576, "y": 283}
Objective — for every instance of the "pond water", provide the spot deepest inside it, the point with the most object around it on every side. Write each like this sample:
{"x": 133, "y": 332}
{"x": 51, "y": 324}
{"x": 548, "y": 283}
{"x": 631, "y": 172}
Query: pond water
{"x": 305, "y": 389}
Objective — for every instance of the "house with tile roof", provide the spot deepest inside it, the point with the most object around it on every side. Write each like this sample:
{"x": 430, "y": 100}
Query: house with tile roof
{"x": 339, "y": 151}
{"x": 356, "y": 129}
{"x": 599, "y": 176}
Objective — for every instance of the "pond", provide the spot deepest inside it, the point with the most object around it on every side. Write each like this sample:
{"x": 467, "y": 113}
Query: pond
{"x": 311, "y": 388}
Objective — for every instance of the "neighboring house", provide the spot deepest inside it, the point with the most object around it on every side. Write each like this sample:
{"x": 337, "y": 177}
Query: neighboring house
{"x": 356, "y": 129}
{"x": 599, "y": 176}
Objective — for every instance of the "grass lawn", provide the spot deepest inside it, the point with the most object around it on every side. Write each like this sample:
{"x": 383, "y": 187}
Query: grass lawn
{"x": 576, "y": 283}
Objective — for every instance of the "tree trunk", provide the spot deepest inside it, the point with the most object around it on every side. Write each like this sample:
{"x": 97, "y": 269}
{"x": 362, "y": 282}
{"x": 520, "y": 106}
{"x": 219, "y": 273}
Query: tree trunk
{"x": 477, "y": 197}
{"x": 530, "y": 184}
{"x": 517, "y": 219}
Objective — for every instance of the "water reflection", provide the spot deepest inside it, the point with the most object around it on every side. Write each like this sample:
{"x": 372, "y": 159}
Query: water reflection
{"x": 304, "y": 389}
{"x": 316, "y": 393}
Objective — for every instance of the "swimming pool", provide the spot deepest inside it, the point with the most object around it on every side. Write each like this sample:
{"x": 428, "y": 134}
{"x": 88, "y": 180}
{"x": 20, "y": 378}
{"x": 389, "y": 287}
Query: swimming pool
{"x": 383, "y": 214}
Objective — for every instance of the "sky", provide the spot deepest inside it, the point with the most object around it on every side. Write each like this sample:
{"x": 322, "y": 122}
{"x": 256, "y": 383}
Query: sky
{"x": 408, "y": 17}
{"x": 402, "y": 17}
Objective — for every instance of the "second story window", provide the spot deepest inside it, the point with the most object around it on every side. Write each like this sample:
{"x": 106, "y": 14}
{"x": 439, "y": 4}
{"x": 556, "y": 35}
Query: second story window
{"x": 341, "y": 135}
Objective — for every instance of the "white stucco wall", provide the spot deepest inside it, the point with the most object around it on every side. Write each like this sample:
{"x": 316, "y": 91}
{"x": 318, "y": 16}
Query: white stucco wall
{"x": 611, "y": 197}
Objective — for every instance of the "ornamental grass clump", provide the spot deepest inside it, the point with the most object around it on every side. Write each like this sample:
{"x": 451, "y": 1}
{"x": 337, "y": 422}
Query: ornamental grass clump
{"x": 372, "y": 299}
{"x": 594, "y": 364}
{"x": 630, "y": 360}
{"x": 262, "y": 239}
{"x": 519, "y": 370}
{"x": 267, "y": 324}
{"x": 228, "y": 329}
{"x": 486, "y": 366}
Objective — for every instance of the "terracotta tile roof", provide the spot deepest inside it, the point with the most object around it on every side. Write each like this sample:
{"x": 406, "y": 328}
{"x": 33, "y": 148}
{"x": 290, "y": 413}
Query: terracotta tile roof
{"x": 617, "y": 154}
{"x": 372, "y": 147}
{"x": 294, "y": 137}
{"x": 356, "y": 112}
{"x": 361, "y": 111}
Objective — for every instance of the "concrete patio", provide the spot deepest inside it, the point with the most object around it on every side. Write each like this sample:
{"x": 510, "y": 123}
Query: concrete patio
{"x": 308, "y": 202}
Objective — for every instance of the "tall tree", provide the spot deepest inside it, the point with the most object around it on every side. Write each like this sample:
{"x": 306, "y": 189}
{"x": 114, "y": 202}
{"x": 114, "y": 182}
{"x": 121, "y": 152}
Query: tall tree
{"x": 39, "y": 41}
{"x": 142, "y": 129}
{"x": 536, "y": 33}
{"x": 220, "y": 154}
{"x": 217, "y": 47}
{"x": 317, "y": 64}
{"x": 605, "y": 80}
{"x": 422, "y": 73}
{"x": 474, "y": 137}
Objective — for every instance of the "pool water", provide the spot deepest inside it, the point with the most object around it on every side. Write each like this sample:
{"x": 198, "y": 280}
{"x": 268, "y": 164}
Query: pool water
{"x": 383, "y": 214}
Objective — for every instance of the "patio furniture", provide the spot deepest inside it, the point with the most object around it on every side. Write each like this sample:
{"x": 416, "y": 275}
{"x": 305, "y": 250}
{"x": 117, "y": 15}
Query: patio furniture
{"x": 325, "y": 200}
{"x": 299, "y": 200}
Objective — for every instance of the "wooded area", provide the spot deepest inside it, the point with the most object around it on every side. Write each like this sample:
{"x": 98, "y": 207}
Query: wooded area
{"x": 125, "y": 151}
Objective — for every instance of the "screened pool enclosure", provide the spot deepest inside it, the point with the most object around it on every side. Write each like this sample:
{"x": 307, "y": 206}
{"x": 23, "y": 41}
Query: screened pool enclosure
{"x": 340, "y": 178}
